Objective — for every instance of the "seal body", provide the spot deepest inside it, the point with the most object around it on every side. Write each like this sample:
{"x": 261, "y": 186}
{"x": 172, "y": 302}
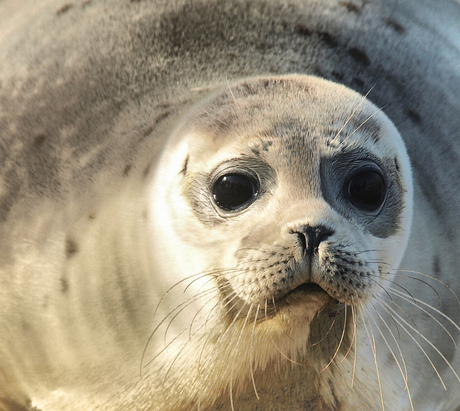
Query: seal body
{"x": 247, "y": 205}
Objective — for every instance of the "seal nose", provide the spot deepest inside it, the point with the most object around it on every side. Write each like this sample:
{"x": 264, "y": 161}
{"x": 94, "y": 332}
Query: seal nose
{"x": 310, "y": 237}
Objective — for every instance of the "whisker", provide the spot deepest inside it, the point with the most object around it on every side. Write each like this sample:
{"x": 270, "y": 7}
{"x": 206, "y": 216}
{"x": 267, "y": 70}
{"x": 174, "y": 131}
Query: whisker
{"x": 363, "y": 98}
{"x": 401, "y": 321}
{"x": 353, "y": 336}
{"x": 215, "y": 117}
{"x": 380, "y": 285}
{"x": 394, "y": 283}
{"x": 403, "y": 368}
{"x": 221, "y": 337}
{"x": 251, "y": 350}
{"x": 180, "y": 307}
{"x": 327, "y": 332}
{"x": 276, "y": 346}
{"x": 165, "y": 348}
{"x": 340, "y": 342}
{"x": 362, "y": 124}
{"x": 231, "y": 92}
{"x": 374, "y": 351}
{"x": 430, "y": 277}
{"x": 234, "y": 356}
{"x": 400, "y": 308}
{"x": 184, "y": 346}
{"x": 402, "y": 296}
{"x": 355, "y": 360}
{"x": 184, "y": 305}
{"x": 213, "y": 274}
{"x": 175, "y": 285}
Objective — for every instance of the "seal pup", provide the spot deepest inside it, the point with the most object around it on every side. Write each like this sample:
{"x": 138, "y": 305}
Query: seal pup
{"x": 132, "y": 275}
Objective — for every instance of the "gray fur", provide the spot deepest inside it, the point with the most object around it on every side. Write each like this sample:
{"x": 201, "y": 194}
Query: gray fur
{"x": 90, "y": 90}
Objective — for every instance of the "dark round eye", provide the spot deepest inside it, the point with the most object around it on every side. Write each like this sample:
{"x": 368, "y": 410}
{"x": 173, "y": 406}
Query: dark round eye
{"x": 366, "y": 189}
{"x": 233, "y": 191}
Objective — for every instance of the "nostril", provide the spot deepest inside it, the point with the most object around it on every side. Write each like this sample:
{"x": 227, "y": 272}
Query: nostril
{"x": 310, "y": 237}
{"x": 302, "y": 240}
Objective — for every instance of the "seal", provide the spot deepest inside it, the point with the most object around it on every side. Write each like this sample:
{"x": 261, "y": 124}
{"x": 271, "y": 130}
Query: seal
{"x": 239, "y": 205}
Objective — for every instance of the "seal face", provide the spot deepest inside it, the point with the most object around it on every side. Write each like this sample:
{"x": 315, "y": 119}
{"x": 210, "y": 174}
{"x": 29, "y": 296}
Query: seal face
{"x": 290, "y": 205}
{"x": 298, "y": 205}
{"x": 291, "y": 198}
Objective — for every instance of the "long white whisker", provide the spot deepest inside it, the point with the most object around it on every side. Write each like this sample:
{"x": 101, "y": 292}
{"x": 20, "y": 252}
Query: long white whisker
{"x": 355, "y": 326}
{"x": 251, "y": 350}
{"x": 362, "y": 124}
{"x": 363, "y": 99}
{"x": 401, "y": 322}
{"x": 234, "y": 356}
{"x": 340, "y": 342}
{"x": 374, "y": 351}
{"x": 416, "y": 304}
{"x": 403, "y": 368}
{"x": 431, "y": 277}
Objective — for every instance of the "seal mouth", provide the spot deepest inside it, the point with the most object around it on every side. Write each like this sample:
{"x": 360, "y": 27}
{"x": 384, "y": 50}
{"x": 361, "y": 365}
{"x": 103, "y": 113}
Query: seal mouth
{"x": 306, "y": 288}
{"x": 306, "y": 293}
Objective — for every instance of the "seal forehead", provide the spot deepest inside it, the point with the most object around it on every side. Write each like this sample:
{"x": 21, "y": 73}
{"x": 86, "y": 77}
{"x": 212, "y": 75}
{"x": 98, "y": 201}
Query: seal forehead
{"x": 286, "y": 106}
{"x": 301, "y": 119}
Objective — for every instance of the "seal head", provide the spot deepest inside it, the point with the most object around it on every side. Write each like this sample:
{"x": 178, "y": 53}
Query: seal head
{"x": 291, "y": 199}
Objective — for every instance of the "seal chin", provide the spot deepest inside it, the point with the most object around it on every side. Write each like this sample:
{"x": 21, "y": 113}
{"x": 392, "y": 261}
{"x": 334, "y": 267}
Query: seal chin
{"x": 306, "y": 300}
{"x": 305, "y": 293}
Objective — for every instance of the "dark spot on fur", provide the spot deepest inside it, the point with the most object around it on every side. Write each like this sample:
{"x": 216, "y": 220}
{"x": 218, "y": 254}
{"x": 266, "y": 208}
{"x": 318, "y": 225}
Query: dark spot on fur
{"x": 395, "y": 25}
{"x": 414, "y": 116}
{"x": 396, "y": 164}
{"x": 338, "y": 75}
{"x": 92, "y": 216}
{"x": 303, "y": 30}
{"x": 64, "y": 285}
{"x": 327, "y": 38}
{"x": 266, "y": 145}
{"x": 358, "y": 82}
{"x": 9, "y": 405}
{"x": 255, "y": 151}
{"x": 318, "y": 403}
{"x": 333, "y": 314}
{"x": 262, "y": 46}
{"x": 64, "y": 9}
{"x": 437, "y": 266}
{"x": 318, "y": 72}
{"x": 146, "y": 171}
{"x": 146, "y": 132}
{"x": 86, "y": 3}
{"x": 71, "y": 248}
{"x": 351, "y": 7}
{"x": 184, "y": 168}
{"x": 390, "y": 360}
{"x": 249, "y": 90}
{"x": 164, "y": 104}
{"x": 161, "y": 117}
{"x": 39, "y": 139}
{"x": 359, "y": 56}
{"x": 126, "y": 170}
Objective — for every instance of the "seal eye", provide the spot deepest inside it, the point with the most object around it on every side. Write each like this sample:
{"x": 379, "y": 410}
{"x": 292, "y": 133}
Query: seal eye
{"x": 366, "y": 189}
{"x": 232, "y": 192}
